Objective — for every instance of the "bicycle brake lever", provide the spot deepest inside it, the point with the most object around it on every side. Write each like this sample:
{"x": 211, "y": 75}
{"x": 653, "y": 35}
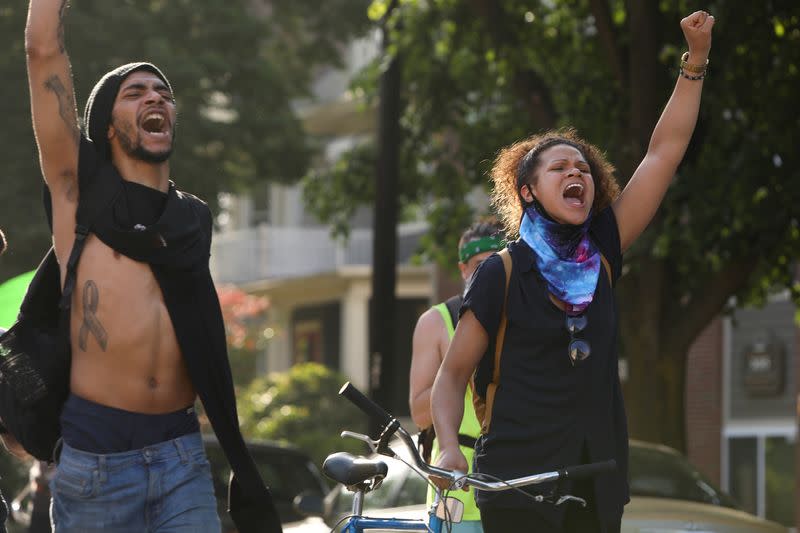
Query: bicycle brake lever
{"x": 460, "y": 481}
{"x": 569, "y": 497}
{"x": 373, "y": 444}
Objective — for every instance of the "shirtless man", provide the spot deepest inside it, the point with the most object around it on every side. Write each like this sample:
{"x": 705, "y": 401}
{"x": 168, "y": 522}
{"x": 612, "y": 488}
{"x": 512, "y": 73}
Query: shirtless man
{"x": 132, "y": 457}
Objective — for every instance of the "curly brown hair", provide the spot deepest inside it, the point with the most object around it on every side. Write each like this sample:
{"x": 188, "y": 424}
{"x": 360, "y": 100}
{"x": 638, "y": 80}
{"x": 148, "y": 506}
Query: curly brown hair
{"x": 516, "y": 164}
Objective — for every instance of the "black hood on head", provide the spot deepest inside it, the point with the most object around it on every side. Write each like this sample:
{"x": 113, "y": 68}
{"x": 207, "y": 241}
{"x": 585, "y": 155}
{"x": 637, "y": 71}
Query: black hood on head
{"x": 97, "y": 115}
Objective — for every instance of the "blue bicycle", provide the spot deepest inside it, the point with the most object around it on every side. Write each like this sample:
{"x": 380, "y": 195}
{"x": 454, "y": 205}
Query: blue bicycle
{"x": 361, "y": 476}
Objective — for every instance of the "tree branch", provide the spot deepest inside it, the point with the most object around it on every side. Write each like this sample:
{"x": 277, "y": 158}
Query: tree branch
{"x": 644, "y": 72}
{"x": 682, "y": 323}
{"x": 527, "y": 83}
{"x": 605, "y": 29}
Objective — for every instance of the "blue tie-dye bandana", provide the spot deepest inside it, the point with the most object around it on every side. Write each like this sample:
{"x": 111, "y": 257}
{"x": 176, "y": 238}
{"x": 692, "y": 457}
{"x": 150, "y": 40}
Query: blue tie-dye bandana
{"x": 566, "y": 257}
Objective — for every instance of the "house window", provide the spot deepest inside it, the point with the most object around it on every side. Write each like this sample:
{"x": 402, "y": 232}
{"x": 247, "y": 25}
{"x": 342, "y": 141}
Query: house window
{"x": 742, "y": 477}
{"x": 760, "y": 361}
{"x": 761, "y": 474}
{"x": 308, "y": 341}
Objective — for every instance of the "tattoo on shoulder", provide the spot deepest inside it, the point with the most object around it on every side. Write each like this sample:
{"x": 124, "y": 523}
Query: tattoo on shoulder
{"x": 91, "y": 324}
{"x": 66, "y": 108}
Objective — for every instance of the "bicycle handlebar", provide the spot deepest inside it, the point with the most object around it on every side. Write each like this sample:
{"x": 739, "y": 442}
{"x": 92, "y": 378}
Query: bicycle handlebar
{"x": 372, "y": 409}
{"x": 458, "y": 479}
{"x": 589, "y": 470}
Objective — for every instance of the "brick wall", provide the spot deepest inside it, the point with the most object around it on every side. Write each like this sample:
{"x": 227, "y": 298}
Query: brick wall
{"x": 704, "y": 401}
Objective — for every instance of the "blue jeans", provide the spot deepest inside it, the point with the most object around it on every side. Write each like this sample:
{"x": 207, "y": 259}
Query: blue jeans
{"x": 165, "y": 487}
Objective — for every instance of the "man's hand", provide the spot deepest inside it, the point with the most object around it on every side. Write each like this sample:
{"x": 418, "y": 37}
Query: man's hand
{"x": 697, "y": 30}
{"x": 450, "y": 459}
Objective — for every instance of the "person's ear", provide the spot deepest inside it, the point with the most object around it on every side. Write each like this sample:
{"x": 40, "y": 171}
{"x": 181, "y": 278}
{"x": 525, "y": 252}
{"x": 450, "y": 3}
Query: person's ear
{"x": 462, "y": 267}
{"x": 527, "y": 193}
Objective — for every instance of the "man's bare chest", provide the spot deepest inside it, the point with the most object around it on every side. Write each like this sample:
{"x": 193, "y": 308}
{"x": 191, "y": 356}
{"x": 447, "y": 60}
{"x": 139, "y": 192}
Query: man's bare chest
{"x": 116, "y": 301}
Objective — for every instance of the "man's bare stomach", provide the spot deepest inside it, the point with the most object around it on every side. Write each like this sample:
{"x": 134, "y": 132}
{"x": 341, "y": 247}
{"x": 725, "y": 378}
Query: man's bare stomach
{"x": 124, "y": 350}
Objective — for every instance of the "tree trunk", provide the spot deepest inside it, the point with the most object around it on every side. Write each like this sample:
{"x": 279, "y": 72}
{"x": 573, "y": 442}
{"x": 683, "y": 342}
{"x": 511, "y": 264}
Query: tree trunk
{"x": 655, "y": 388}
{"x": 382, "y": 312}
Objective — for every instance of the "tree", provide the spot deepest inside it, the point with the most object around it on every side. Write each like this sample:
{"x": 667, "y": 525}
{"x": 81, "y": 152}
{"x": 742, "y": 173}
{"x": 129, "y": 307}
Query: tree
{"x": 236, "y": 67}
{"x": 483, "y": 73}
{"x": 246, "y": 330}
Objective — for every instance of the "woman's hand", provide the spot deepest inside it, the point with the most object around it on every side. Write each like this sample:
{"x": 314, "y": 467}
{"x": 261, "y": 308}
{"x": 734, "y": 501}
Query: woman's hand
{"x": 697, "y": 30}
{"x": 450, "y": 459}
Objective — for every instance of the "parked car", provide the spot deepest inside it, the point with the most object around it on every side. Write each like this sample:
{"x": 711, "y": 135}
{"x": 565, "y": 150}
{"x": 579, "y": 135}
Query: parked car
{"x": 668, "y": 495}
{"x": 287, "y": 471}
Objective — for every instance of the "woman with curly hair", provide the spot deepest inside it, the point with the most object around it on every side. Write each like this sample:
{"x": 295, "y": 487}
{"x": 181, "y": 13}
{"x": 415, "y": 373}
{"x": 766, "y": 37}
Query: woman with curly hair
{"x": 542, "y": 344}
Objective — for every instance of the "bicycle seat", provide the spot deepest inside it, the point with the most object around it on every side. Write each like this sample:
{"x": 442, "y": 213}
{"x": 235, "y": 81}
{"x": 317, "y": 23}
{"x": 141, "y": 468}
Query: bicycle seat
{"x": 349, "y": 470}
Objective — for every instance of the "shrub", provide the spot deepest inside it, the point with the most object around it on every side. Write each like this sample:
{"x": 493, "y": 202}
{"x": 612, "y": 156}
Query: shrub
{"x": 301, "y": 407}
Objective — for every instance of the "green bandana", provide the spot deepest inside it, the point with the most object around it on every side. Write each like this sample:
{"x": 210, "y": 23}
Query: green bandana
{"x": 493, "y": 243}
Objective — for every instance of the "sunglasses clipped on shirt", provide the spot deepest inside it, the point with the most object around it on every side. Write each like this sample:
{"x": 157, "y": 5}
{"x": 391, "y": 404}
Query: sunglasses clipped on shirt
{"x": 579, "y": 349}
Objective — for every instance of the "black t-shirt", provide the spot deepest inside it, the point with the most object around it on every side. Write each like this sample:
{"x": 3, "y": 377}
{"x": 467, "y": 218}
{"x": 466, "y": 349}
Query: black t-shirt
{"x": 547, "y": 412}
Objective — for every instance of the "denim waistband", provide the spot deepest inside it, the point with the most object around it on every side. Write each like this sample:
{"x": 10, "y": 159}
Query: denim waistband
{"x": 181, "y": 448}
{"x": 100, "y": 429}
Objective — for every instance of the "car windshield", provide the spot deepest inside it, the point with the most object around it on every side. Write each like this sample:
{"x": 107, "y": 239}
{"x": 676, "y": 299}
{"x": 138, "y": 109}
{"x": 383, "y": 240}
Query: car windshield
{"x": 660, "y": 473}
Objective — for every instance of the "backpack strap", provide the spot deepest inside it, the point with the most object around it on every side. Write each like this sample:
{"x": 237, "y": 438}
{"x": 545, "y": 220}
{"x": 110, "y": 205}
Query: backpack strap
{"x": 453, "y": 305}
{"x": 483, "y": 408}
{"x": 95, "y": 196}
{"x": 607, "y": 267}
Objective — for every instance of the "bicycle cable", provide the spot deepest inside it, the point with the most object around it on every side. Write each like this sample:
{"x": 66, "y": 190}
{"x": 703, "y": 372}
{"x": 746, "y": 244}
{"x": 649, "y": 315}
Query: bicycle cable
{"x": 339, "y": 523}
{"x": 489, "y": 477}
{"x": 447, "y": 520}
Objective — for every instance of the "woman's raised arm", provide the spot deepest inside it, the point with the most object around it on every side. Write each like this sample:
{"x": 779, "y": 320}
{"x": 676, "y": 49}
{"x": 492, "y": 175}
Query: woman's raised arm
{"x": 638, "y": 203}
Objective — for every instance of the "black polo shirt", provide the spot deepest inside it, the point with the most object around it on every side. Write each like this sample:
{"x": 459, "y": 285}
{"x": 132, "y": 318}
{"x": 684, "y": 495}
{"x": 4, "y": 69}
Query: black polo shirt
{"x": 548, "y": 414}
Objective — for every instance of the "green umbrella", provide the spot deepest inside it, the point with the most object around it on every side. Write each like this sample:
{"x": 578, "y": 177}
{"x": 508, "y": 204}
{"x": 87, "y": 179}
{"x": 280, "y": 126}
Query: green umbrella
{"x": 11, "y": 294}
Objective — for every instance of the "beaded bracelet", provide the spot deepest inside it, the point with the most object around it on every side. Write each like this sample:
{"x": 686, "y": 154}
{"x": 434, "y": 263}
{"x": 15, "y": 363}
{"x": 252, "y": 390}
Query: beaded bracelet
{"x": 693, "y": 78}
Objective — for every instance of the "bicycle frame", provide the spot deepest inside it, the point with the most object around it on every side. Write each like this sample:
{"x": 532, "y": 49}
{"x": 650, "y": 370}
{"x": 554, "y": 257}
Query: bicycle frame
{"x": 358, "y": 523}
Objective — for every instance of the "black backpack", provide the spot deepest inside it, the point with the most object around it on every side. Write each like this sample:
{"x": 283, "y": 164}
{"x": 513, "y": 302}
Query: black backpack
{"x": 35, "y": 357}
{"x": 35, "y": 365}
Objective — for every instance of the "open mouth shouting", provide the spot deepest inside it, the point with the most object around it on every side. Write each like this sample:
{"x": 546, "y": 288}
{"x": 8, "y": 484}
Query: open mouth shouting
{"x": 574, "y": 194}
{"x": 155, "y": 124}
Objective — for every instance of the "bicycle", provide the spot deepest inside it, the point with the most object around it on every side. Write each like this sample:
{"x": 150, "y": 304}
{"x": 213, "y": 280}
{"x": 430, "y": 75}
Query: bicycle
{"x": 361, "y": 476}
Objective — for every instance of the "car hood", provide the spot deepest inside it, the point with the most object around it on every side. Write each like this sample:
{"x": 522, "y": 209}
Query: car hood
{"x": 664, "y": 515}
{"x": 642, "y": 515}
{"x": 309, "y": 525}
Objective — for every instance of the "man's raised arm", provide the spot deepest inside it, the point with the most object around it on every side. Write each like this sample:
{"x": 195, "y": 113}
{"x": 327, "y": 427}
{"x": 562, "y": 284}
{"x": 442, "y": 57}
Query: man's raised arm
{"x": 55, "y": 119}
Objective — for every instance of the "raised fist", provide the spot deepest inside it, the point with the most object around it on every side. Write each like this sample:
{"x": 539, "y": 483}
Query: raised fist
{"x": 697, "y": 30}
